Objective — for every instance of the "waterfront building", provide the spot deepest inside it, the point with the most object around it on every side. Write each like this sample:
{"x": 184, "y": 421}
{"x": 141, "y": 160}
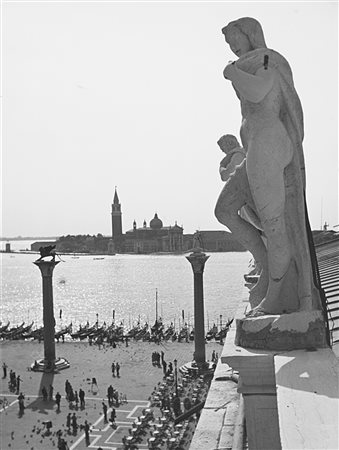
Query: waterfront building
{"x": 159, "y": 238}
{"x": 154, "y": 238}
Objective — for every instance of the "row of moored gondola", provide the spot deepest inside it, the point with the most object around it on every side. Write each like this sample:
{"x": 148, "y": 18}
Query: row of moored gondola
{"x": 114, "y": 333}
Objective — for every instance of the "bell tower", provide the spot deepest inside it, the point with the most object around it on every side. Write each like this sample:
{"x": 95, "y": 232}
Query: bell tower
{"x": 116, "y": 217}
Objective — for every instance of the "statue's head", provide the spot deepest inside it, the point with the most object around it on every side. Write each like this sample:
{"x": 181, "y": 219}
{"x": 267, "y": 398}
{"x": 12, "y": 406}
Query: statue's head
{"x": 244, "y": 35}
{"x": 228, "y": 142}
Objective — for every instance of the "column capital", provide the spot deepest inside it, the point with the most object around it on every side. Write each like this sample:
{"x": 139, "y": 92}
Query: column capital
{"x": 46, "y": 267}
{"x": 197, "y": 259}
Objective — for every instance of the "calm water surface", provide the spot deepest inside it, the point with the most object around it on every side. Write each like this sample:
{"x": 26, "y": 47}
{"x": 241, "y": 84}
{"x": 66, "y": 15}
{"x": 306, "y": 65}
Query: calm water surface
{"x": 84, "y": 287}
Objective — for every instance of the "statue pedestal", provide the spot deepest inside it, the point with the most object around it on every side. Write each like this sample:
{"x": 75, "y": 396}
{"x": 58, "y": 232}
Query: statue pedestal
{"x": 47, "y": 366}
{"x": 299, "y": 330}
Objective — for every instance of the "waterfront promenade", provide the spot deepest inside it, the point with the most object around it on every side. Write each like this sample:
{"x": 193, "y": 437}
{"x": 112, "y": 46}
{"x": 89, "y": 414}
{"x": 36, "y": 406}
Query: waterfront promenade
{"x": 138, "y": 377}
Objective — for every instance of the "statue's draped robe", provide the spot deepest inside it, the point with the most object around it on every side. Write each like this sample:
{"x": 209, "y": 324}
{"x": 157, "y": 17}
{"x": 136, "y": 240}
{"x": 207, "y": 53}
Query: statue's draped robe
{"x": 299, "y": 282}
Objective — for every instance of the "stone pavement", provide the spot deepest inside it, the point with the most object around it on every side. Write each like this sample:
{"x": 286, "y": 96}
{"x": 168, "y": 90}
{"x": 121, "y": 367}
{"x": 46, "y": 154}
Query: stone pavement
{"x": 137, "y": 380}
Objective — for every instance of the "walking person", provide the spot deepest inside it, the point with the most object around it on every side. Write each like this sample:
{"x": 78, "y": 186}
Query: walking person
{"x": 57, "y": 401}
{"x": 104, "y": 408}
{"x": 67, "y": 388}
{"x": 68, "y": 421}
{"x": 4, "y": 368}
{"x": 117, "y": 368}
{"x": 113, "y": 416}
{"x": 21, "y": 399}
{"x": 82, "y": 398}
{"x": 50, "y": 392}
{"x": 113, "y": 369}
{"x": 18, "y": 380}
{"x": 74, "y": 424}
{"x": 87, "y": 429}
{"x": 110, "y": 392}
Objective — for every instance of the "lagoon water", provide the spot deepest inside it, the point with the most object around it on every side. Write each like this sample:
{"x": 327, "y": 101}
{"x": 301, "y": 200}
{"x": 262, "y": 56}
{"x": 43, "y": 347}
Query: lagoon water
{"x": 84, "y": 287}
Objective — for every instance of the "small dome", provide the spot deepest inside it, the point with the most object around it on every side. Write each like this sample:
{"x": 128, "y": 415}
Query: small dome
{"x": 156, "y": 223}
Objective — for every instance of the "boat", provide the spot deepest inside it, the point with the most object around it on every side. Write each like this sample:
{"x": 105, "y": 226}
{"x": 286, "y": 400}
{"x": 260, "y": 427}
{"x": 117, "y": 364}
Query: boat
{"x": 63, "y": 331}
{"x": 7, "y": 334}
{"x": 18, "y": 333}
{"x": 4, "y": 327}
{"x": 212, "y": 332}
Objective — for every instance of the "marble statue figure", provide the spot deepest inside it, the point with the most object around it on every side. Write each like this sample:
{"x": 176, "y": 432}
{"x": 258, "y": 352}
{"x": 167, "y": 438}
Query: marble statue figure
{"x": 236, "y": 210}
{"x": 272, "y": 135}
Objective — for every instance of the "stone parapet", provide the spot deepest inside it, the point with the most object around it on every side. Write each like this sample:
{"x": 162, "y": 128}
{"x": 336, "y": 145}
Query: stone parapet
{"x": 217, "y": 420}
{"x": 298, "y": 330}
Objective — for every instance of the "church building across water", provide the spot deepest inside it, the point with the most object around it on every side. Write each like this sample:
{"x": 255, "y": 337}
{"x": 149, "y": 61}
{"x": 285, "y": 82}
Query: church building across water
{"x": 157, "y": 238}
{"x": 154, "y": 238}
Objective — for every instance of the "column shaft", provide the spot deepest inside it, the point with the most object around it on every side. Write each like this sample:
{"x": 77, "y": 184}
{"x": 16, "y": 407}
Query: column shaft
{"x": 199, "y": 321}
{"x": 48, "y": 317}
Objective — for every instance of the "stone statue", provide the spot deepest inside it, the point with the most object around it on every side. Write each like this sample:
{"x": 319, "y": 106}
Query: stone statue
{"x": 235, "y": 209}
{"x": 47, "y": 251}
{"x": 272, "y": 135}
{"x": 197, "y": 242}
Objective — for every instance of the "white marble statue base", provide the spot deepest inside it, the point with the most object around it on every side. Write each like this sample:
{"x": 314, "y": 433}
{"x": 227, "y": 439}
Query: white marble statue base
{"x": 298, "y": 330}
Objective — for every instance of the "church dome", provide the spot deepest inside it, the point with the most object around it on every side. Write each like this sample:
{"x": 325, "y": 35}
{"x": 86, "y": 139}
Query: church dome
{"x": 156, "y": 223}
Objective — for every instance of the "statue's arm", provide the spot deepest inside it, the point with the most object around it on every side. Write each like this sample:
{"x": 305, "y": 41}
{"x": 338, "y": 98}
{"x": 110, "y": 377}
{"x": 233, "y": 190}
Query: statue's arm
{"x": 252, "y": 87}
{"x": 237, "y": 161}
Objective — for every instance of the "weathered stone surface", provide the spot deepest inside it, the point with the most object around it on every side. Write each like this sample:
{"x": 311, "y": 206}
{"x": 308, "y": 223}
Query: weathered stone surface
{"x": 299, "y": 330}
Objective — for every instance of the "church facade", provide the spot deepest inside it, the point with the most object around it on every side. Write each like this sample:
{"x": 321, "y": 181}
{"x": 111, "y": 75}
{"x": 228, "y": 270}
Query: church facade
{"x": 157, "y": 238}
{"x": 152, "y": 238}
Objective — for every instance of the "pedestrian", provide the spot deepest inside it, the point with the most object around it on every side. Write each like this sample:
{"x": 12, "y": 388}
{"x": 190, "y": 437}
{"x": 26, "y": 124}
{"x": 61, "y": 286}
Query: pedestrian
{"x": 87, "y": 428}
{"x": 71, "y": 396}
{"x": 18, "y": 380}
{"x": 94, "y": 383}
{"x": 104, "y": 408}
{"x": 50, "y": 392}
{"x": 57, "y": 400}
{"x": 113, "y": 416}
{"x": 117, "y": 368}
{"x": 21, "y": 399}
{"x": 110, "y": 392}
{"x": 82, "y": 398}
{"x": 4, "y": 368}
{"x": 68, "y": 421}
{"x": 213, "y": 356}
{"x": 60, "y": 313}
{"x": 113, "y": 369}
{"x": 74, "y": 424}
{"x": 67, "y": 386}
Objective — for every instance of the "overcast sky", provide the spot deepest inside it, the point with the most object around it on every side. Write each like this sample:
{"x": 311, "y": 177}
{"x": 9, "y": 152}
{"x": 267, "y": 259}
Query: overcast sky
{"x": 131, "y": 94}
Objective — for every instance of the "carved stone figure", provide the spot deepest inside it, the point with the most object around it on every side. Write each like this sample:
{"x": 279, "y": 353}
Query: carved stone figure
{"x": 235, "y": 209}
{"x": 272, "y": 135}
{"x": 47, "y": 251}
